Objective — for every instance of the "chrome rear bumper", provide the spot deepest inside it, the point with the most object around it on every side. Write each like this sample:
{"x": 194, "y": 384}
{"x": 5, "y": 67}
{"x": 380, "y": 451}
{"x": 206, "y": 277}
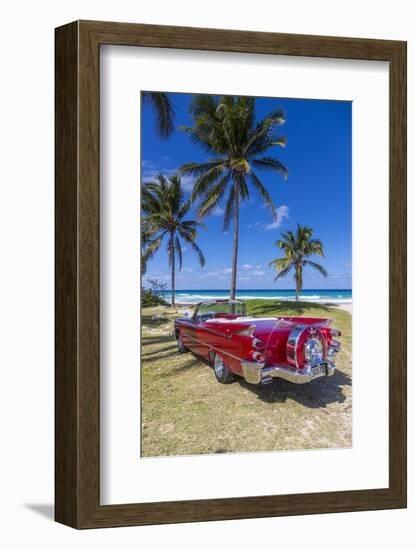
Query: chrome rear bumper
{"x": 258, "y": 373}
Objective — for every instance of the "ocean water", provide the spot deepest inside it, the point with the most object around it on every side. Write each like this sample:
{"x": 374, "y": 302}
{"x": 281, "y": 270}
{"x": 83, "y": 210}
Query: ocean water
{"x": 343, "y": 296}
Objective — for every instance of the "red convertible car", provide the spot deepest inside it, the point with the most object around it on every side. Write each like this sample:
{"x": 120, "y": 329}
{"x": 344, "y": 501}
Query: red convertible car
{"x": 298, "y": 349}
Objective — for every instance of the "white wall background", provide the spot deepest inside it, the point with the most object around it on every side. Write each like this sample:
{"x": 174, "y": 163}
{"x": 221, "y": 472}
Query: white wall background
{"x": 26, "y": 271}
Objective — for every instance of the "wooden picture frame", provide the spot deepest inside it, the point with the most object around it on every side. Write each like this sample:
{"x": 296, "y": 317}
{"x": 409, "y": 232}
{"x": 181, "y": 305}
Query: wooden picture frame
{"x": 77, "y": 405}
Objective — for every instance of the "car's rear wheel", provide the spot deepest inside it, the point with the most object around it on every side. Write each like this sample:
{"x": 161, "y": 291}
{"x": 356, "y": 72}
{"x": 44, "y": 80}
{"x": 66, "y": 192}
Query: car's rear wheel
{"x": 181, "y": 347}
{"x": 222, "y": 372}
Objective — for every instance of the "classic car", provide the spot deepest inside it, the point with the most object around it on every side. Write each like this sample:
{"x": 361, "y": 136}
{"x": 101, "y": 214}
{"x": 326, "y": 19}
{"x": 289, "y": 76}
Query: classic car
{"x": 298, "y": 349}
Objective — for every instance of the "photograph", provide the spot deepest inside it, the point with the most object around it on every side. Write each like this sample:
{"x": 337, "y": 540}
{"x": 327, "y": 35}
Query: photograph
{"x": 245, "y": 275}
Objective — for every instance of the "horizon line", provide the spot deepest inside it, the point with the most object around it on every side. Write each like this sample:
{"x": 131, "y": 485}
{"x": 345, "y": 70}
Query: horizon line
{"x": 256, "y": 289}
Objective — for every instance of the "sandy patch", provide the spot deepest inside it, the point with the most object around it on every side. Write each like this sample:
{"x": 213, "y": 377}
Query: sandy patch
{"x": 346, "y": 307}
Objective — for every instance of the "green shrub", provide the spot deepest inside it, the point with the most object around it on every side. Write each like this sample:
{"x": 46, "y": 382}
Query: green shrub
{"x": 151, "y": 298}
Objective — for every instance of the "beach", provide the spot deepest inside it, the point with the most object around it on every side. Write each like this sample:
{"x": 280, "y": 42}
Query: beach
{"x": 319, "y": 296}
{"x": 346, "y": 307}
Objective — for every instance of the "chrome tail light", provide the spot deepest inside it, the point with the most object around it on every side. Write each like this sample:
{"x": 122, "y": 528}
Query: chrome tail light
{"x": 258, "y": 343}
{"x": 334, "y": 346}
{"x": 258, "y": 356}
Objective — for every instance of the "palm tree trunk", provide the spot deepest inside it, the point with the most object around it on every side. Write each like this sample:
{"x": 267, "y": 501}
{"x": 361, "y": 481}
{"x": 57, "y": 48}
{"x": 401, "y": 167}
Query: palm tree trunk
{"x": 235, "y": 244}
{"x": 298, "y": 283}
{"x": 172, "y": 254}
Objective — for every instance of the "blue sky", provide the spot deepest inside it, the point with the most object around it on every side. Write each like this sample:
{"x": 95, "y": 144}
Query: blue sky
{"x": 317, "y": 193}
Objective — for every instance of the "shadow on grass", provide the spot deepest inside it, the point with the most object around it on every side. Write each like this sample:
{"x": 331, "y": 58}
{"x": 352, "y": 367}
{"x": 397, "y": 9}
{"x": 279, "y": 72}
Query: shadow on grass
{"x": 151, "y": 340}
{"x": 160, "y": 351}
{"x": 148, "y": 322}
{"x": 193, "y": 362}
{"x": 315, "y": 395}
{"x": 285, "y": 307}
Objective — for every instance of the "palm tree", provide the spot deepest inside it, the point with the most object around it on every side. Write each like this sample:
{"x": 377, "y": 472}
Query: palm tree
{"x": 297, "y": 248}
{"x": 164, "y": 112}
{"x": 226, "y": 128}
{"x": 165, "y": 208}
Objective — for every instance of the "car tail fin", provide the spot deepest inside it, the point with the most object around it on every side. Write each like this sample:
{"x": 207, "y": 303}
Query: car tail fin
{"x": 247, "y": 331}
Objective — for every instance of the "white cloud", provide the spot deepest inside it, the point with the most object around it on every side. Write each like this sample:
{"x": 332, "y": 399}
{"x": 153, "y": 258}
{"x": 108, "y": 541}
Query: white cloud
{"x": 340, "y": 275}
{"x": 254, "y": 225}
{"x": 281, "y": 213}
{"x": 217, "y": 211}
{"x": 245, "y": 272}
{"x": 213, "y": 275}
{"x": 157, "y": 275}
{"x": 187, "y": 183}
{"x": 151, "y": 169}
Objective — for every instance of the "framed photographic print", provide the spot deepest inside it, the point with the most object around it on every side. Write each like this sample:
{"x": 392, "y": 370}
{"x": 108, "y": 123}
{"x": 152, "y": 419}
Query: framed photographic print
{"x": 230, "y": 274}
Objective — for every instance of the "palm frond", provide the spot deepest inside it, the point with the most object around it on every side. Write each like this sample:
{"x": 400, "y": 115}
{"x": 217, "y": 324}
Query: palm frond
{"x": 199, "y": 253}
{"x": 194, "y": 225}
{"x": 213, "y": 197}
{"x": 199, "y": 168}
{"x": 205, "y": 180}
{"x": 284, "y": 271}
{"x": 269, "y": 163}
{"x": 281, "y": 263}
{"x": 149, "y": 248}
{"x": 318, "y": 267}
{"x": 164, "y": 111}
{"x": 266, "y": 197}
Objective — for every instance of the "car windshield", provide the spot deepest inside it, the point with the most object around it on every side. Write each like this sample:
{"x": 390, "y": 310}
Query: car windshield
{"x": 210, "y": 310}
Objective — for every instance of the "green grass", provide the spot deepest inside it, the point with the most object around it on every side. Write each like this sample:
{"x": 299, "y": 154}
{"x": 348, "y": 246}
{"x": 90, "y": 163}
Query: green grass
{"x": 185, "y": 411}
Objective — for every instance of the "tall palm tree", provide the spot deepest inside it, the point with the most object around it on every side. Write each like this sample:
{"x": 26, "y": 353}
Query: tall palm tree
{"x": 165, "y": 208}
{"x": 297, "y": 248}
{"x": 226, "y": 128}
{"x": 164, "y": 112}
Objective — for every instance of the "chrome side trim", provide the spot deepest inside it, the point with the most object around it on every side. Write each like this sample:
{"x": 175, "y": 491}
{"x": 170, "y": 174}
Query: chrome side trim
{"x": 228, "y": 336}
{"x": 212, "y": 331}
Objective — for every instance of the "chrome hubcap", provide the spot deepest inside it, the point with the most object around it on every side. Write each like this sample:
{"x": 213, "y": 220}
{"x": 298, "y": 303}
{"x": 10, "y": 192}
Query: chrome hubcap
{"x": 218, "y": 366}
